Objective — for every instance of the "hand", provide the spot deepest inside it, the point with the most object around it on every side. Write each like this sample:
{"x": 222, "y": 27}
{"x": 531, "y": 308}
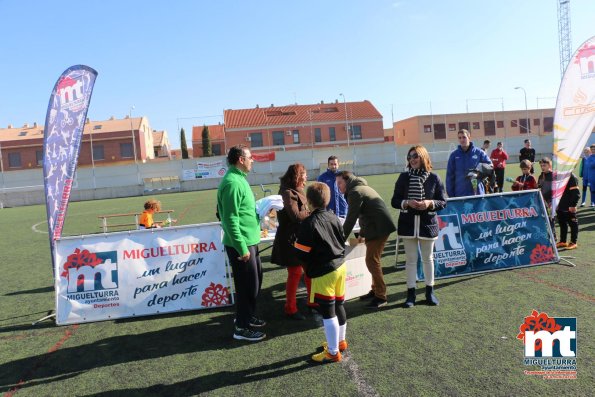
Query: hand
{"x": 572, "y": 210}
{"x": 245, "y": 257}
{"x": 361, "y": 240}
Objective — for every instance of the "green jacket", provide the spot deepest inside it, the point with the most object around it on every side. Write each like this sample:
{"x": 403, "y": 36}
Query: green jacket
{"x": 237, "y": 209}
{"x": 367, "y": 205}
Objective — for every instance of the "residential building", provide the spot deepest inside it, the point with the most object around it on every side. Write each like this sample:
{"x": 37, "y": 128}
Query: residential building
{"x": 161, "y": 144}
{"x": 103, "y": 142}
{"x": 216, "y": 136}
{"x": 437, "y": 128}
{"x": 295, "y": 127}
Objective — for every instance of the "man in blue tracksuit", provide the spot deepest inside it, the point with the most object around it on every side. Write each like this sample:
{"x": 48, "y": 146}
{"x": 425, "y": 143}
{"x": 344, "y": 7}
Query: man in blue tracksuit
{"x": 463, "y": 159}
{"x": 338, "y": 204}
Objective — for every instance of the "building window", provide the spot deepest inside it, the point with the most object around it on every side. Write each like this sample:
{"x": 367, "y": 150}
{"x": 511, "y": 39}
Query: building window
{"x": 476, "y": 125}
{"x": 489, "y": 127}
{"x": 126, "y": 150}
{"x": 216, "y": 148}
{"x": 514, "y": 123}
{"x": 296, "y": 136}
{"x": 427, "y": 128}
{"x": 500, "y": 124}
{"x": 452, "y": 127}
{"x": 278, "y": 138}
{"x": 317, "y": 135}
{"x": 97, "y": 127}
{"x": 331, "y": 134}
{"x": 39, "y": 157}
{"x": 464, "y": 125}
{"x": 548, "y": 124}
{"x": 440, "y": 131}
{"x": 523, "y": 126}
{"x": 14, "y": 160}
{"x": 356, "y": 132}
{"x": 99, "y": 152}
{"x": 536, "y": 122}
{"x": 256, "y": 139}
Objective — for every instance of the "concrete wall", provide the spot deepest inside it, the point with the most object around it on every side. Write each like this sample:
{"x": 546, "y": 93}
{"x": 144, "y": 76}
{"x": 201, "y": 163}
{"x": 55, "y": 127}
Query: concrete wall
{"x": 18, "y": 188}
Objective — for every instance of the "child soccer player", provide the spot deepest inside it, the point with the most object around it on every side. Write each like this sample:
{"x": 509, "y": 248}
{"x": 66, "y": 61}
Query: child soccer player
{"x": 320, "y": 245}
{"x": 146, "y": 218}
{"x": 566, "y": 213}
{"x": 526, "y": 181}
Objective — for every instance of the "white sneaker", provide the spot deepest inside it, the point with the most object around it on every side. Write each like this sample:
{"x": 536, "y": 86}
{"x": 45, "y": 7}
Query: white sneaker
{"x": 583, "y": 204}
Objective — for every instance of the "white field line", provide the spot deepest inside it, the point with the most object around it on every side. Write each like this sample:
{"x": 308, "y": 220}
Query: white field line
{"x": 34, "y": 227}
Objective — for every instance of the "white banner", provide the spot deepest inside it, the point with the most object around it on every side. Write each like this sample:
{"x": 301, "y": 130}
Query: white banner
{"x": 216, "y": 169}
{"x": 575, "y": 116}
{"x": 140, "y": 272}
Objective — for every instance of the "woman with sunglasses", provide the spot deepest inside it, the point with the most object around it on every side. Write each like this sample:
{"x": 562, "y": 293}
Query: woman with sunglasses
{"x": 418, "y": 194}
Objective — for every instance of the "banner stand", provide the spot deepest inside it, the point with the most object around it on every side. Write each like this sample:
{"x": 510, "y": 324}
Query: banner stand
{"x": 49, "y": 316}
{"x": 568, "y": 263}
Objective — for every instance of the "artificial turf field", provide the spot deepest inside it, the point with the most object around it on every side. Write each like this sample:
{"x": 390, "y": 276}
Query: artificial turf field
{"x": 467, "y": 346}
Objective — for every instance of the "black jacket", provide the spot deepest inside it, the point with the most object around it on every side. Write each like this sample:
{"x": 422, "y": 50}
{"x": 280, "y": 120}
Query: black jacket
{"x": 428, "y": 220}
{"x": 571, "y": 195}
{"x": 321, "y": 243}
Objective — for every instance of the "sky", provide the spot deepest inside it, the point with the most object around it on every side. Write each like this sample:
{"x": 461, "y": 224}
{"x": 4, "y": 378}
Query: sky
{"x": 182, "y": 62}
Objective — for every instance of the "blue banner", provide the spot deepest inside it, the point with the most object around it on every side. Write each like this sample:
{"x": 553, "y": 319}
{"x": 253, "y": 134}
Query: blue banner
{"x": 493, "y": 232}
{"x": 64, "y": 124}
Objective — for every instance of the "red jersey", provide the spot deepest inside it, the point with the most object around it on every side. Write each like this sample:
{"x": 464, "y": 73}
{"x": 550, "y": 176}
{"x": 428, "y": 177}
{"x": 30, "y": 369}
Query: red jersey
{"x": 499, "y": 157}
{"x": 525, "y": 182}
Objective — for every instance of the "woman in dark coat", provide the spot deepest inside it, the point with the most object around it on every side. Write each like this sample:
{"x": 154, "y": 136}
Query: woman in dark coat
{"x": 419, "y": 193}
{"x": 293, "y": 213}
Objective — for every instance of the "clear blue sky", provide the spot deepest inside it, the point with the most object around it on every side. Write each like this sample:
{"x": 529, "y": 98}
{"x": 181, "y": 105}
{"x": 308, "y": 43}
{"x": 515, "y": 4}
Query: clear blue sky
{"x": 178, "y": 59}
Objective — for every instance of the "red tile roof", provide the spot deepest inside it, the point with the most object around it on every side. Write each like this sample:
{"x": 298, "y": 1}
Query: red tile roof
{"x": 216, "y": 132}
{"x": 298, "y": 114}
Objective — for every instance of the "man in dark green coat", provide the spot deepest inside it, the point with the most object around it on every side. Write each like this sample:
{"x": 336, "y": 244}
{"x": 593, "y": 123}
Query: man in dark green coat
{"x": 376, "y": 225}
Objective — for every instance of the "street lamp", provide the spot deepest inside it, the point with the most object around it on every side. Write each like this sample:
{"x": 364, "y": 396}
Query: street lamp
{"x": 526, "y": 109}
{"x": 346, "y": 124}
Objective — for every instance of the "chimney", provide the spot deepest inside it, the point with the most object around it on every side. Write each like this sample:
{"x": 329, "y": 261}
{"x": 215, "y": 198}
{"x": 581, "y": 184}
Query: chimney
{"x": 87, "y": 121}
{"x": 112, "y": 118}
{"x": 322, "y": 102}
{"x": 9, "y": 125}
{"x": 272, "y": 105}
{"x": 35, "y": 124}
{"x": 336, "y": 101}
{"x": 26, "y": 125}
{"x": 257, "y": 107}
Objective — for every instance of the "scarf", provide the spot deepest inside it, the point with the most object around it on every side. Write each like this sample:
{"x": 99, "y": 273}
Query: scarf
{"x": 417, "y": 177}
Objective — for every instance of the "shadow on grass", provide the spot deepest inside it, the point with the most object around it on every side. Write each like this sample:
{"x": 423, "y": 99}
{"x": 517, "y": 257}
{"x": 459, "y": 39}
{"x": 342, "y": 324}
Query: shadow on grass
{"x": 211, "y": 382}
{"x": 41, "y": 290}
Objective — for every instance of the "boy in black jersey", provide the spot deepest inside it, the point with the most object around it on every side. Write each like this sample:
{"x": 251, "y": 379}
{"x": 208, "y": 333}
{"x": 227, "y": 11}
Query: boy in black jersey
{"x": 320, "y": 245}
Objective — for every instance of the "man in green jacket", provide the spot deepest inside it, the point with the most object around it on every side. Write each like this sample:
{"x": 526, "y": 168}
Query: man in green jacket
{"x": 241, "y": 235}
{"x": 375, "y": 224}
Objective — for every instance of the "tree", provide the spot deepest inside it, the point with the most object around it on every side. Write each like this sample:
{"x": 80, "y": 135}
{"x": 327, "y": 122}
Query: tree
{"x": 207, "y": 151}
{"x": 183, "y": 144}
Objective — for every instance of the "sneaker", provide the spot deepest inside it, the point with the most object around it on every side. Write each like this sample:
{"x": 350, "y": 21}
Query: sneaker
{"x": 369, "y": 295}
{"x": 342, "y": 346}
{"x": 376, "y": 303}
{"x": 248, "y": 334}
{"x": 561, "y": 245}
{"x": 255, "y": 322}
{"x": 572, "y": 246}
{"x": 296, "y": 316}
{"x": 324, "y": 357}
{"x": 583, "y": 204}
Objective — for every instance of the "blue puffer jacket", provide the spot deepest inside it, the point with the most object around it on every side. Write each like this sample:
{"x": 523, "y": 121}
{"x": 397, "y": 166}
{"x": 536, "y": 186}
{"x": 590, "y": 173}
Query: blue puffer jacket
{"x": 338, "y": 204}
{"x": 459, "y": 164}
{"x": 589, "y": 172}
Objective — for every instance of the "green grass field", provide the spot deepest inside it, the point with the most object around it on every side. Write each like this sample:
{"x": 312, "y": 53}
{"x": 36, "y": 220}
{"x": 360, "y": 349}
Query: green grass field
{"x": 467, "y": 346}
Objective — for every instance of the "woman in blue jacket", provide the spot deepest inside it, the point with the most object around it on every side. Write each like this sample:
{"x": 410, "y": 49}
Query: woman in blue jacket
{"x": 419, "y": 193}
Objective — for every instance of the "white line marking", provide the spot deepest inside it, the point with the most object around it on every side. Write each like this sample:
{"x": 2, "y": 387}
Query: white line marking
{"x": 34, "y": 227}
{"x": 363, "y": 388}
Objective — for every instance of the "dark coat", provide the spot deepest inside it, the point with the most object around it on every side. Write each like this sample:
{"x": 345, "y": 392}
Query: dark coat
{"x": 293, "y": 213}
{"x": 366, "y": 204}
{"x": 428, "y": 220}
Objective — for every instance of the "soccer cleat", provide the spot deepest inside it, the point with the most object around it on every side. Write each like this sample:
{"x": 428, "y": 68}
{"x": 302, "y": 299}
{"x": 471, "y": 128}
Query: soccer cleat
{"x": 376, "y": 303}
{"x": 561, "y": 244}
{"x": 325, "y": 357}
{"x": 248, "y": 334}
{"x": 572, "y": 246}
{"x": 342, "y": 346}
{"x": 369, "y": 295}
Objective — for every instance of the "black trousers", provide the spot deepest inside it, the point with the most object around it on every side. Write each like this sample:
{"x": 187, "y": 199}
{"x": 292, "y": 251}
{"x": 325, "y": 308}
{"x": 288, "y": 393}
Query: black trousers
{"x": 247, "y": 279}
{"x": 568, "y": 219}
{"x": 499, "y": 178}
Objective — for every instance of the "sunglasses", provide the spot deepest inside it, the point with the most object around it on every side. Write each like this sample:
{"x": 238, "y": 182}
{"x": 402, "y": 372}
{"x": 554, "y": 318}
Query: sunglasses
{"x": 412, "y": 156}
